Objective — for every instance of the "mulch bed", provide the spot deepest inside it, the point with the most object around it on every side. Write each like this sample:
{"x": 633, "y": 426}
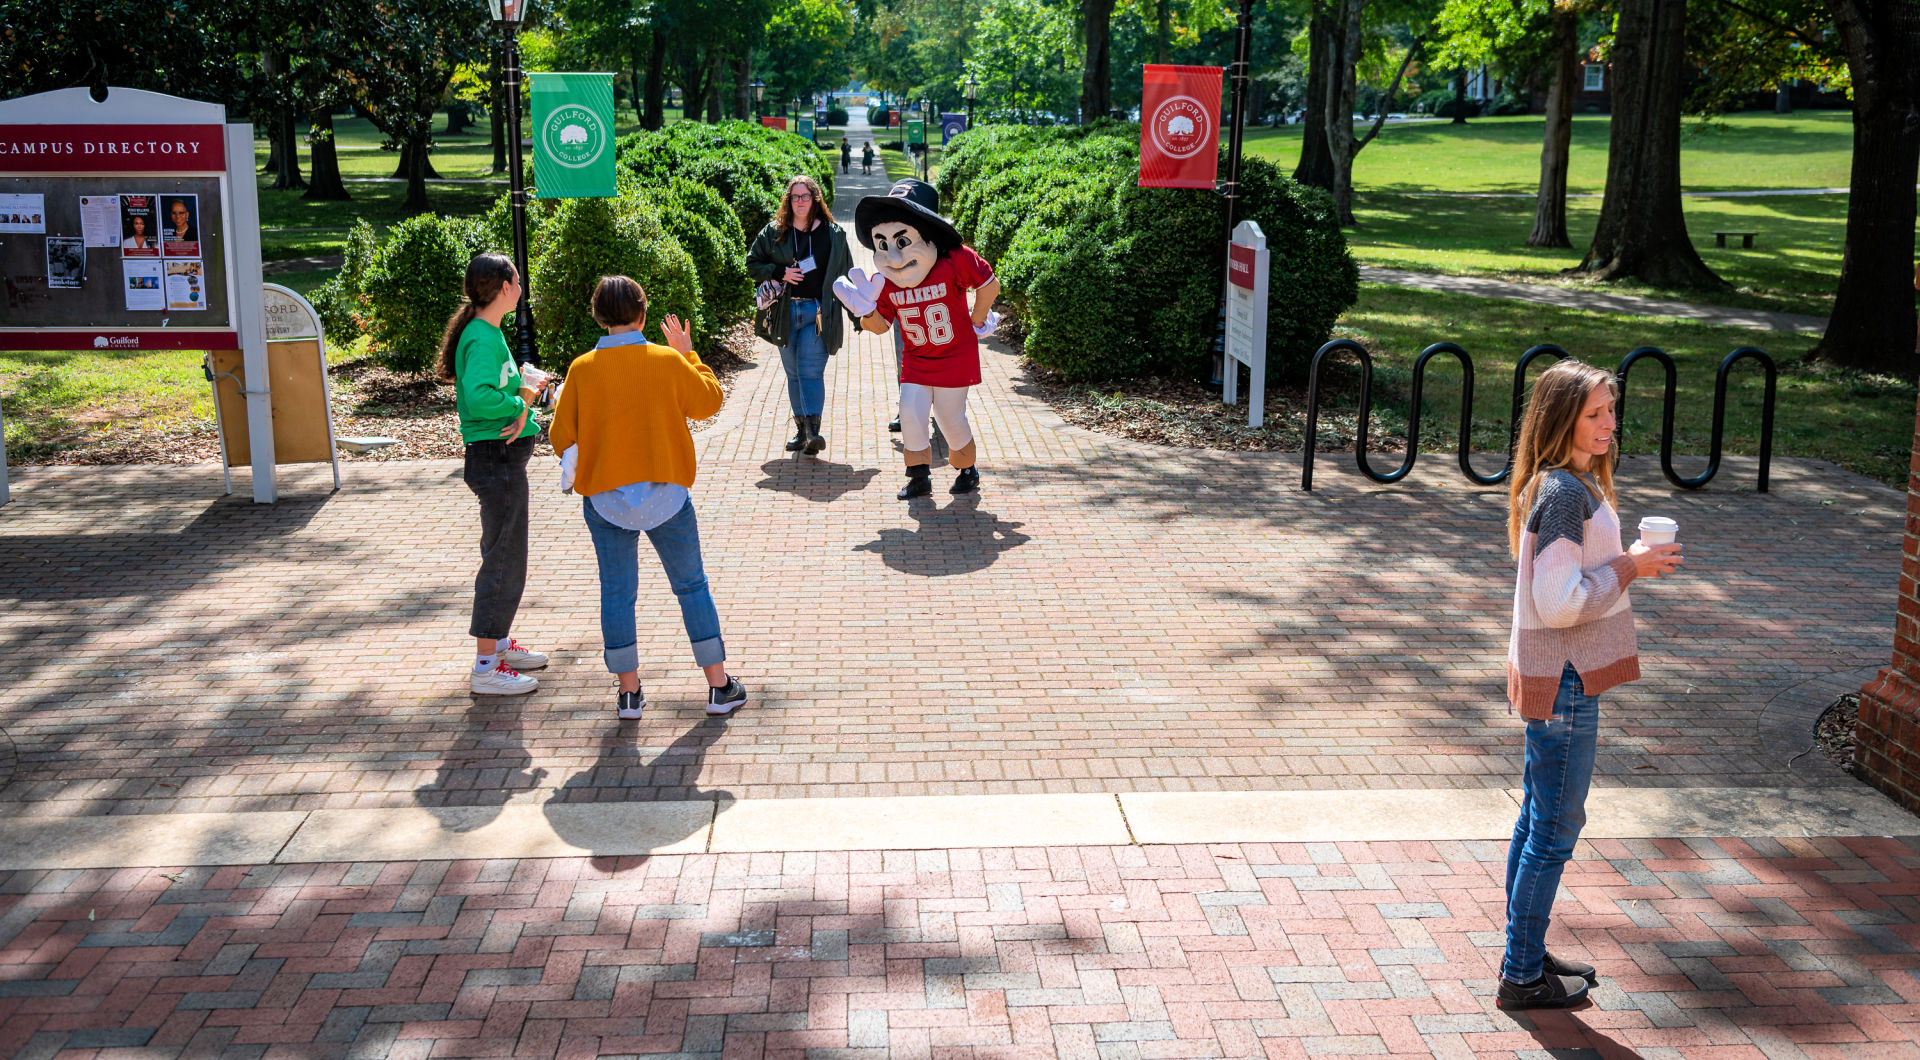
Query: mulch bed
{"x": 417, "y": 411}
{"x": 1834, "y": 731}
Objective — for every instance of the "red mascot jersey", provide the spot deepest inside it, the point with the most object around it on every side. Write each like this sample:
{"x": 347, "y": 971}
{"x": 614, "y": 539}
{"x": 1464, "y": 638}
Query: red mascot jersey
{"x": 936, "y": 323}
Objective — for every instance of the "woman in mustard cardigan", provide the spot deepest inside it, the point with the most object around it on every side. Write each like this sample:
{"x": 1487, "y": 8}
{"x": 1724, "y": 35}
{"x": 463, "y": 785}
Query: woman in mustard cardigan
{"x": 623, "y": 414}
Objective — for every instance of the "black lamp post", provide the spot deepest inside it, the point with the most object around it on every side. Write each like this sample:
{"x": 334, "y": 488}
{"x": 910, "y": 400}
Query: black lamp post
{"x": 1231, "y": 188}
{"x": 759, "y": 96}
{"x": 509, "y": 14}
{"x": 926, "y": 136}
{"x": 972, "y": 88}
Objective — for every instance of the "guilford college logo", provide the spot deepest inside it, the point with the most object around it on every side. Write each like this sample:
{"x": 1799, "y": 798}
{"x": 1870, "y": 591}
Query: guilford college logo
{"x": 574, "y": 135}
{"x": 1181, "y": 126}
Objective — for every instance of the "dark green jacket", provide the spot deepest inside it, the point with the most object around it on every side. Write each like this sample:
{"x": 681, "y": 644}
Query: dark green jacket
{"x": 769, "y": 257}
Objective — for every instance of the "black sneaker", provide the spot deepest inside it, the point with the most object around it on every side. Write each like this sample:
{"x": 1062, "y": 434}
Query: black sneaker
{"x": 894, "y": 427}
{"x": 630, "y": 704}
{"x": 966, "y": 481}
{"x": 919, "y": 483}
{"x": 724, "y": 701}
{"x": 1548, "y": 991}
{"x": 1556, "y": 966}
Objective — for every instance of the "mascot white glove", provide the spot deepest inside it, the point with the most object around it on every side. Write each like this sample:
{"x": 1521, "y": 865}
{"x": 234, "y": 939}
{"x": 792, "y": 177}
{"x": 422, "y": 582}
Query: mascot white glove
{"x": 858, "y": 291}
{"x": 993, "y": 321}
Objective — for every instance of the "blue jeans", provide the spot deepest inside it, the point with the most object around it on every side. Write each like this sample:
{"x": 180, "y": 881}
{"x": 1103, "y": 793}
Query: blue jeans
{"x": 677, "y": 541}
{"x": 805, "y": 359}
{"x": 1553, "y": 809}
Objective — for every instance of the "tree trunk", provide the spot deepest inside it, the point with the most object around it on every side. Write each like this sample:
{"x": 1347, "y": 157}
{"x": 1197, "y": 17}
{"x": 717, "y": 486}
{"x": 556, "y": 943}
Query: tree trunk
{"x": 1642, "y": 233}
{"x": 327, "y": 185}
{"x": 286, "y": 130}
{"x": 497, "y": 110}
{"x": 1316, "y": 163}
{"x": 1460, "y": 96}
{"x": 1782, "y": 98}
{"x": 414, "y": 156}
{"x": 655, "y": 114}
{"x": 1873, "y": 322}
{"x": 1162, "y": 30}
{"x": 457, "y": 118}
{"x": 1341, "y": 87}
{"x": 1550, "y": 206}
{"x": 404, "y": 168}
{"x": 743, "y": 88}
{"x": 1096, "y": 77}
{"x": 714, "y": 68}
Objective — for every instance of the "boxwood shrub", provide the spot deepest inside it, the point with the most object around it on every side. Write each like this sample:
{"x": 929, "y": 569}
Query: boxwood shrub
{"x": 747, "y": 163}
{"x": 414, "y": 283}
{"x": 1111, "y": 280}
{"x": 590, "y": 238}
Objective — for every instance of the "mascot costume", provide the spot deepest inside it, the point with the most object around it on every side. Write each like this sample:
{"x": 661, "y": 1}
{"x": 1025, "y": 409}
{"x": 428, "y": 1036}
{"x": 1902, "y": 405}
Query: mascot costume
{"x": 925, "y": 272}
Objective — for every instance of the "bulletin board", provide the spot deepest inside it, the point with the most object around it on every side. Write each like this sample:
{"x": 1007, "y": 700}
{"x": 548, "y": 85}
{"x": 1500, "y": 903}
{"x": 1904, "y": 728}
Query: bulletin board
{"x": 102, "y": 252}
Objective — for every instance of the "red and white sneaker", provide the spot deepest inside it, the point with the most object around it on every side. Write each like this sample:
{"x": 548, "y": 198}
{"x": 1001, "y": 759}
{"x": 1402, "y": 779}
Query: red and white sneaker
{"x": 502, "y": 680}
{"x": 519, "y": 658}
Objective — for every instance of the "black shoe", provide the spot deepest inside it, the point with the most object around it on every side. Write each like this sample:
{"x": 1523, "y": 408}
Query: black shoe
{"x": 1556, "y": 966}
{"x": 919, "y": 483}
{"x": 630, "y": 703}
{"x": 724, "y": 701}
{"x": 894, "y": 427}
{"x": 799, "y": 434}
{"x": 1548, "y": 991}
{"x": 816, "y": 442}
{"x": 967, "y": 481}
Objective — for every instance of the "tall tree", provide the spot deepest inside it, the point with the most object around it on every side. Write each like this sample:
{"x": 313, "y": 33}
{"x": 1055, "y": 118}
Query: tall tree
{"x": 1324, "y": 55}
{"x": 1873, "y": 322}
{"x": 1642, "y": 232}
{"x": 652, "y": 114}
{"x": 412, "y": 50}
{"x": 1096, "y": 75}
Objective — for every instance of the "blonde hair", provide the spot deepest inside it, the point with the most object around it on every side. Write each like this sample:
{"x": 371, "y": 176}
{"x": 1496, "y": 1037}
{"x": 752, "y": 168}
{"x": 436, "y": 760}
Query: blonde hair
{"x": 1546, "y": 440}
{"x": 820, "y": 210}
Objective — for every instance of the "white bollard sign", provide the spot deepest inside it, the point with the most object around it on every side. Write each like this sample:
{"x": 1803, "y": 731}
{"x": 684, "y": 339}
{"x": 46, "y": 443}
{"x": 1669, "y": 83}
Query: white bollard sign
{"x": 1247, "y": 319}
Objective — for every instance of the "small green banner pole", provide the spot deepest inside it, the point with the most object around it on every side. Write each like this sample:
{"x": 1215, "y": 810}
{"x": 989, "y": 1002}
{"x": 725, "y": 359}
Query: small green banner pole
{"x": 573, "y": 136}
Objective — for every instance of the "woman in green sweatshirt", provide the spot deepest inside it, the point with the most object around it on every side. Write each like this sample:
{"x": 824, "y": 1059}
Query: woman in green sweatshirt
{"x": 495, "y": 423}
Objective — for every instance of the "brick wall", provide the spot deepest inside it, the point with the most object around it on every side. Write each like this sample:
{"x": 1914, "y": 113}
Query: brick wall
{"x": 1887, "y": 738}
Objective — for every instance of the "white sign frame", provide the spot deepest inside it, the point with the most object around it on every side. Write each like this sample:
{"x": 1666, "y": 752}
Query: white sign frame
{"x": 240, "y": 203}
{"x": 1247, "y": 326}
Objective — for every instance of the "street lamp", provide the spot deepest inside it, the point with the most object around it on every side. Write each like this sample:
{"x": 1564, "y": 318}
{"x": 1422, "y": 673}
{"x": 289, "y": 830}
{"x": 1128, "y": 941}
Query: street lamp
{"x": 793, "y": 107}
{"x": 926, "y": 136}
{"x": 509, "y": 14}
{"x": 759, "y": 96}
{"x": 972, "y": 89}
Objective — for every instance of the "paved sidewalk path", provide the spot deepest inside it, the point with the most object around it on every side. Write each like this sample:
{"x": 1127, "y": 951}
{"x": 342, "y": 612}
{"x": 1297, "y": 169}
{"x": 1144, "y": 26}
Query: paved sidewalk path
{"x": 1594, "y": 300}
{"x": 1709, "y": 948}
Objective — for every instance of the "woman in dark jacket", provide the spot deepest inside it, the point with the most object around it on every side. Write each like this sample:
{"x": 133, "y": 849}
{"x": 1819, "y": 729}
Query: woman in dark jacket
{"x": 806, "y": 251}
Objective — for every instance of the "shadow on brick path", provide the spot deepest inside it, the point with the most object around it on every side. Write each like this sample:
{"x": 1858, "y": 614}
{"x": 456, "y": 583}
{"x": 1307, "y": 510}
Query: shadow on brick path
{"x": 620, "y": 751}
{"x": 488, "y": 764}
{"x": 959, "y": 538}
{"x": 818, "y": 480}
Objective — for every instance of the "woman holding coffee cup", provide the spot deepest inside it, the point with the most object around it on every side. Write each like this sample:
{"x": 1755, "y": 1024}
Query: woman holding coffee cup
{"x": 1572, "y": 640}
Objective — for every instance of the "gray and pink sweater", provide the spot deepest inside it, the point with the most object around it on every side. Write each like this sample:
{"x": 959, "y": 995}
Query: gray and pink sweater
{"x": 1570, "y": 602}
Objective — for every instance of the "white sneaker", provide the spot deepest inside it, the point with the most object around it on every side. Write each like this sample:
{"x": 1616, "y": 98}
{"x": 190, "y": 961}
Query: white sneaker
{"x": 519, "y": 658}
{"x": 502, "y": 680}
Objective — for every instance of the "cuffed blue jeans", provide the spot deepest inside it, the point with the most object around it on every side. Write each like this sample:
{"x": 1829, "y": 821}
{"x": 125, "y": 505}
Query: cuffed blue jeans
{"x": 677, "y": 541}
{"x": 1553, "y": 809}
{"x": 805, "y": 359}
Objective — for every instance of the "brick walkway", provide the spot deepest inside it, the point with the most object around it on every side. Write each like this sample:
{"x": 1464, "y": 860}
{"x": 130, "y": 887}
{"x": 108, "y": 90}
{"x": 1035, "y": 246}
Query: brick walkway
{"x": 1789, "y": 948}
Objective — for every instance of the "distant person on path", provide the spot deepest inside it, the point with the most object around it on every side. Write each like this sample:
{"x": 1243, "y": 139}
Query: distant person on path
{"x": 846, "y": 155}
{"x": 621, "y": 427}
{"x": 1572, "y": 640}
{"x": 806, "y": 250}
{"x": 866, "y": 158}
{"x": 494, "y": 402}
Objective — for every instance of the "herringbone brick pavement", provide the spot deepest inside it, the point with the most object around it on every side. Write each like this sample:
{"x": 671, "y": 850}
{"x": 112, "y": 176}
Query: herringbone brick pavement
{"x": 1707, "y": 948}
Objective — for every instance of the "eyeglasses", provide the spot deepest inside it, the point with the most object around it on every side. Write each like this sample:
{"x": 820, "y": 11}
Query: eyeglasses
{"x": 802, "y": 196}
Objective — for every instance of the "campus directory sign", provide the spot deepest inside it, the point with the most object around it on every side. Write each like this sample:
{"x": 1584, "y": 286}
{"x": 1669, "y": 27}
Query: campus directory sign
{"x": 132, "y": 223}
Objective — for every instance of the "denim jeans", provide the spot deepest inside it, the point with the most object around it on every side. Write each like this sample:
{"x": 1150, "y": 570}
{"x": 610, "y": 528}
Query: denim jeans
{"x": 1553, "y": 809}
{"x": 496, "y": 472}
{"x": 805, "y": 359}
{"x": 677, "y": 541}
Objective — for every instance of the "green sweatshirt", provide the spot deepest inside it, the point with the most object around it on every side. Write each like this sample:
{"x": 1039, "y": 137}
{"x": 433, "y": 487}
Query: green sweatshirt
{"x": 488, "y": 387}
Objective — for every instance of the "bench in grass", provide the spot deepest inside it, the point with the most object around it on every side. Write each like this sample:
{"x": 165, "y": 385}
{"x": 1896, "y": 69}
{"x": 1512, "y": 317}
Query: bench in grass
{"x": 1746, "y": 238}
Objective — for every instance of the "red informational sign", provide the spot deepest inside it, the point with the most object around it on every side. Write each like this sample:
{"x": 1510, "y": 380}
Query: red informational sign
{"x": 1240, "y": 262}
{"x": 893, "y": 118}
{"x": 774, "y": 123}
{"x": 112, "y": 149}
{"x": 1179, "y": 126}
{"x": 83, "y": 339}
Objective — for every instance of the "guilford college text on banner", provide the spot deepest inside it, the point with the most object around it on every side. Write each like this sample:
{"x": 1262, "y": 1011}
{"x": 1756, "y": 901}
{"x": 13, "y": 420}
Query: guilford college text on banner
{"x": 573, "y": 152}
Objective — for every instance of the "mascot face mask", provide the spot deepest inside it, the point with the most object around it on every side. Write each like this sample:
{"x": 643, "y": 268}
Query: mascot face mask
{"x": 901, "y": 254}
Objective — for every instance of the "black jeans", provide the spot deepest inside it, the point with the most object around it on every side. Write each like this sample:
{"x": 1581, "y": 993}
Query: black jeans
{"x": 497, "y": 474}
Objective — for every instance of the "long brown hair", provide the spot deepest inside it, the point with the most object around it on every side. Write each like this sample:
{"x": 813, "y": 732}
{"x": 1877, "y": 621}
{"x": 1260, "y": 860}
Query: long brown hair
{"x": 785, "y": 217}
{"x": 1546, "y": 439}
{"x": 486, "y": 274}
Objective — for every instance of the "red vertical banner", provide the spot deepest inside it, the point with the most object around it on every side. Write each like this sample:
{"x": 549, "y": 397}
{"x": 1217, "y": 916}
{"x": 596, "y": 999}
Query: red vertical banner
{"x": 774, "y": 123}
{"x": 1179, "y": 126}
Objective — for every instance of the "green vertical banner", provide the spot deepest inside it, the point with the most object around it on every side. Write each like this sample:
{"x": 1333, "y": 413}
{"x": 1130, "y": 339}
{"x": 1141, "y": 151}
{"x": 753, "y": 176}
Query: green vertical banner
{"x": 573, "y": 136}
{"x": 806, "y": 128}
{"x": 916, "y": 131}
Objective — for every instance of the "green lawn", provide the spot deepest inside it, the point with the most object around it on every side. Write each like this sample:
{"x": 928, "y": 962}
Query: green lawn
{"x": 1810, "y": 149}
{"x": 1812, "y": 400}
{"x": 63, "y": 400}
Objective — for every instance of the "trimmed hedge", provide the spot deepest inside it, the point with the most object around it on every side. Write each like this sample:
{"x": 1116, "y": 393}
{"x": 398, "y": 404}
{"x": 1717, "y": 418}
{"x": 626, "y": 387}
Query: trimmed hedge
{"x": 589, "y": 238}
{"x": 339, "y": 301}
{"x": 747, "y": 163}
{"x": 836, "y": 115}
{"x": 414, "y": 283}
{"x": 1112, "y": 280}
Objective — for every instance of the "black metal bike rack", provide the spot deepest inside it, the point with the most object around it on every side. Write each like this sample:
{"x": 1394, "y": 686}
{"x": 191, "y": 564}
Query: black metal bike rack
{"x": 1465, "y": 454}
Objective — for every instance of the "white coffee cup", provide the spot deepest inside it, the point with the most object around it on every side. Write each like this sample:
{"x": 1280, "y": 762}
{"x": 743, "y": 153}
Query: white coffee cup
{"x": 1658, "y": 530}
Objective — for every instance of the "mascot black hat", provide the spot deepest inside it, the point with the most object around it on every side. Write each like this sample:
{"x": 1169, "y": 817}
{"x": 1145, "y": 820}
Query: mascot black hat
{"x": 912, "y": 202}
